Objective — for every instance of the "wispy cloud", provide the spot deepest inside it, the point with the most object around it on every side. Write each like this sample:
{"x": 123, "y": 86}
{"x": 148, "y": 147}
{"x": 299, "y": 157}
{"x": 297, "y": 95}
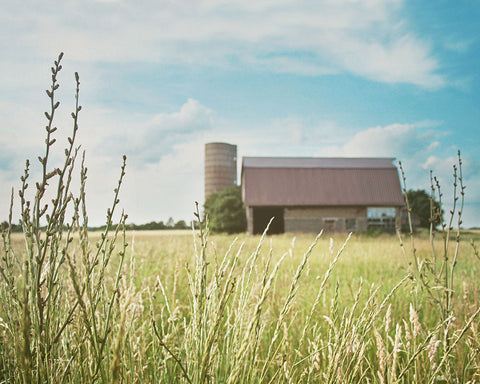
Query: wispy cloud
{"x": 405, "y": 59}
{"x": 460, "y": 45}
{"x": 366, "y": 38}
{"x": 149, "y": 140}
{"x": 395, "y": 140}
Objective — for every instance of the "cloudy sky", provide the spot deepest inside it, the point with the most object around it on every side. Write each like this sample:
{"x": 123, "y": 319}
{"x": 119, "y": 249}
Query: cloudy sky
{"x": 160, "y": 78}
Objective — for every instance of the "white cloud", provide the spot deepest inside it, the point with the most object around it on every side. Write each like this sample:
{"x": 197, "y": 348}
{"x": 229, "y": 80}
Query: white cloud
{"x": 403, "y": 60}
{"x": 434, "y": 162}
{"x": 433, "y": 145}
{"x": 192, "y": 115}
{"x": 367, "y": 38}
{"x": 143, "y": 138}
{"x": 389, "y": 141}
{"x": 285, "y": 64}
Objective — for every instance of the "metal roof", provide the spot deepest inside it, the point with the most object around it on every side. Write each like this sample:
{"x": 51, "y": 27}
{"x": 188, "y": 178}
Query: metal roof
{"x": 318, "y": 162}
{"x": 321, "y": 182}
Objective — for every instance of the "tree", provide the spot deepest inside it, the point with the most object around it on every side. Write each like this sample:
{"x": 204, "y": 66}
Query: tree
{"x": 424, "y": 207}
{"x": 181, "y": 224}
{"x": 225, "y": 211}
{"x": 170, "y": 222}
{"x": 13, "y": 227}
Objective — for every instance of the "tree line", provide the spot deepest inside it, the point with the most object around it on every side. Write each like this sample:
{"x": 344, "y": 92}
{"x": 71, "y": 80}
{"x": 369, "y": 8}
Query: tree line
{"x": 153, "y": 225}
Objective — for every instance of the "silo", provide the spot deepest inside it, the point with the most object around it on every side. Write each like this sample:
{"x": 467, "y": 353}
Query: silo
{"x": 220, "y": 167}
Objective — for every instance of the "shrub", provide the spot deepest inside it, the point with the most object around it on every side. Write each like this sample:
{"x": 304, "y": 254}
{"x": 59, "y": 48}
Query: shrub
{"x": 225, "y": 211}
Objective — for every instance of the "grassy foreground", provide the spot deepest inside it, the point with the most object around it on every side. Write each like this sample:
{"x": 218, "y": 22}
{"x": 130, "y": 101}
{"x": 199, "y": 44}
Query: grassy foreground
{"x": 184, "y": 308}
{"x": 119, "y": 307}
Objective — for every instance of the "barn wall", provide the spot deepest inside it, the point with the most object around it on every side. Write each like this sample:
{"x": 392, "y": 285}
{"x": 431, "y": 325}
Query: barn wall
{"x": 344, "y": 212}
{"x": 314, "y": 219}
{"x": 331, "y": 219}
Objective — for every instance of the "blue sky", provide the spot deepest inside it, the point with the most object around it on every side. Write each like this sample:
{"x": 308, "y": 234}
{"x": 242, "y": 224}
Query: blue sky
{"x": 159, "y": 79}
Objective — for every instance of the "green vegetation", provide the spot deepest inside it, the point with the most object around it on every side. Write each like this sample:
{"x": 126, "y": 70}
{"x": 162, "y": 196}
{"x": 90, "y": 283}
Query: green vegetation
{"x": 153, "y": 225}
{"x": 12, "y": 227}
{"x": 225, "y": 211}
{"x": 156, "y": 307}
{"x": 424, "y": 207}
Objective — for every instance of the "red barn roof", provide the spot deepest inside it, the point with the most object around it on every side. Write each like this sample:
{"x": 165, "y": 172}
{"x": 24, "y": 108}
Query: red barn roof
{"x": 284, "y": 181}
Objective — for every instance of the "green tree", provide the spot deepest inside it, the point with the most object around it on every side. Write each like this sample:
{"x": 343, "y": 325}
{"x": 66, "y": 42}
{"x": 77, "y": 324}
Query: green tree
{"x": 13, "y": 227}
{"x": 181, "y": 224}
{"x": 225, "y": 211}
{"x": 424, "y": 207}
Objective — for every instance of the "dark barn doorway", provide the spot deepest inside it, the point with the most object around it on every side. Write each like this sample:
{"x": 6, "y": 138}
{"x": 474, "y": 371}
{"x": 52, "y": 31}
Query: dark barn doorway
{"x": 261, "y": 217}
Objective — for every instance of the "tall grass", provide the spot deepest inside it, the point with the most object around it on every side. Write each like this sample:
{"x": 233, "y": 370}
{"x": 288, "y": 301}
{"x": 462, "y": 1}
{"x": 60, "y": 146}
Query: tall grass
{"x": 82, "y": 307}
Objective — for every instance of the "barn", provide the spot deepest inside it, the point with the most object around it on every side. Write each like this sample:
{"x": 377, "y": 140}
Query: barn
{"x": 311, "y": 194}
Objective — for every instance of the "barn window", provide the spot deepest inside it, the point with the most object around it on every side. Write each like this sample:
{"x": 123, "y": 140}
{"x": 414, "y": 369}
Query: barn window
{"x": 379, "y": 212}
{"x": 350, "y": 224}
{"x": 382, "y": 218}
{"x": 329, "y": 225}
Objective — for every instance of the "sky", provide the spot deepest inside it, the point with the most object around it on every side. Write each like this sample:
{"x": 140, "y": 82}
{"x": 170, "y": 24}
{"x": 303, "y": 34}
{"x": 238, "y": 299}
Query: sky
{"x": 160, "y": 78}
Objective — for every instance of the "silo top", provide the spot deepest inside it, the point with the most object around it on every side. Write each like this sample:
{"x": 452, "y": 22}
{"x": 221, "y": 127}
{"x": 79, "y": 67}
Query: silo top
{"x": 220, "y": 143}
{"x": 221, "y": 146}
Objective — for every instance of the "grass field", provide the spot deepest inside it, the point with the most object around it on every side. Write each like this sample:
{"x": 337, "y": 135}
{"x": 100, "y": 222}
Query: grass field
{"x": 275, "y": 313}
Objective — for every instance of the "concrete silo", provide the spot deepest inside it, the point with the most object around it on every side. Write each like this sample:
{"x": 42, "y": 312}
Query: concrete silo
{"x": 220, "y": 167}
